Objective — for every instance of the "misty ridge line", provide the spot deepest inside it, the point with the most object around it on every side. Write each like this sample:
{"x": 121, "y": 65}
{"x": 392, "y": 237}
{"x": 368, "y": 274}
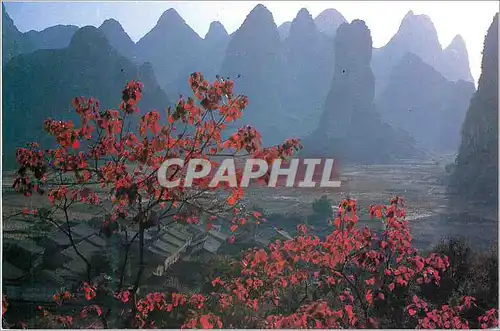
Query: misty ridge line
{"x": 327, "y": 18}
{"x": 416, "y": 34}
{"x": 321, "y": 19}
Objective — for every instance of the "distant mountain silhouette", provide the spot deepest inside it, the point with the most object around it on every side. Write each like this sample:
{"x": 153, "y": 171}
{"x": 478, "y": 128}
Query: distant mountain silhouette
{"x": 475, "y": 173}
{"x": 55, "y": 37}
{"x": 308, "y": 57}
{"x": 175, "y": 50}
{"x": 215, "y": 46}
{"x": 455, "y": 61}
{"x": 350, "y": 128}
{"x": 15, "y": 42}
{"x": 254, "y": 53}
{"x": 89, "y": 66}
{"x": 290, "y": 74}
{"x": 329, "y": 20}
{"x": 416, "y": 35}
{"x": 326, "y": 22}
{"x": 118, "y": 38}
{"x": 421, "y": 101}
{"x": 284, "y": 29}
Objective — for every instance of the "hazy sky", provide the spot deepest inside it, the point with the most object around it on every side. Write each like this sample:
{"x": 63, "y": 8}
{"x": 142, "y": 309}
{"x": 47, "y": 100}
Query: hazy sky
{"x": 471, "y": 19}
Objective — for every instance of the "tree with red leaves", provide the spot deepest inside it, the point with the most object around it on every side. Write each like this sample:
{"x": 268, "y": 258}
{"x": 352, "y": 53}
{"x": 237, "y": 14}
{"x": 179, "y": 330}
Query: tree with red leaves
{"x": 102, "y": 162}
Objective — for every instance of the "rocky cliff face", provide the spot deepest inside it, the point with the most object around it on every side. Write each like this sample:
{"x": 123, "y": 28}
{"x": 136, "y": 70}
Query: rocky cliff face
{"x": 350, "y": 127}
{"x": 475, "y": 172}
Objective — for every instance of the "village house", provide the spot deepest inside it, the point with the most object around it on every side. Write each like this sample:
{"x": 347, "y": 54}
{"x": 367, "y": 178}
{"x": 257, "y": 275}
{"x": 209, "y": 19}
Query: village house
{"x": 166, "y": 248}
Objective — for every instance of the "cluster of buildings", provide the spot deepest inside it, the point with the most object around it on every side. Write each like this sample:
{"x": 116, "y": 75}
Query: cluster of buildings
{"x": 35, "y": 270}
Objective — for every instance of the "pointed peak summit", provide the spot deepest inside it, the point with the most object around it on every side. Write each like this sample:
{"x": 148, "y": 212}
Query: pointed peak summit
{"x": 217, "y": 25}
{"x": 458, "y": 43}
{"x": 89, "y": 37}
{"x": 260, "y": 12}
{"x": 260, "y": 7}
{"x": 259, "y": 15}
{"x": 118, "y": 38}
{"x": 303, "y": 17}
{"x": 455, "y": 61}
{"x": 216, "y": 31}
{"x": 303, "y": 13}
{"x": 303, "y": 24}
{"x": 353, "y": 41}
{"x": 412, "y": 21}
{"x": 170, "y": 17}
{"x": 171, "y": 23}
{"x": 257, "y": 28}
{"x": 111, "y": 23}
{"x": 409, "y": 14}
{"x": 419, "y": 33}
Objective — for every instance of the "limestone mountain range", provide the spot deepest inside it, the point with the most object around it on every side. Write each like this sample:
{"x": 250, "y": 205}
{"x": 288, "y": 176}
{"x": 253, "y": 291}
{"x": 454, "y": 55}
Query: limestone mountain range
{"x": 290, "y": 74}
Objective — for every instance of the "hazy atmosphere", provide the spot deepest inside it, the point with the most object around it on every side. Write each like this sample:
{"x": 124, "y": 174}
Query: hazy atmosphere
{"x": 245, "y": 165}
{"x": 469, "y": 18}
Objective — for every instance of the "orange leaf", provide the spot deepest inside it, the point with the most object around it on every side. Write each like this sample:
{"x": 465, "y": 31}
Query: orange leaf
{"x": 205, "y": 323}
{"x": 336, "y": 222}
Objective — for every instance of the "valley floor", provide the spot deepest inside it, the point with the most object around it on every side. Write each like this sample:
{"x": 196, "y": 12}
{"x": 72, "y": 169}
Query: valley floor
{"x": 420, "y": 183}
